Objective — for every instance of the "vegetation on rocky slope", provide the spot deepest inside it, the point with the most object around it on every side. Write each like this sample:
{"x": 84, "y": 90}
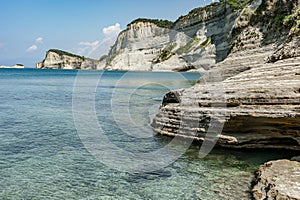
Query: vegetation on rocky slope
{"x": 206, "y": 43}
{"x": 271, "y": 21}
{"x": 166, "y": 53}
{"x": 194, "y": 44}
{"x": 294, "y": 21}
{"x": 237, "y": 4}
{"x": 189, "y": 46}
{"x": 276, "y": 16}
{"x": 64, "y": 53}
{"x": 197, "y": 11}
{"x": 158, "y": 22}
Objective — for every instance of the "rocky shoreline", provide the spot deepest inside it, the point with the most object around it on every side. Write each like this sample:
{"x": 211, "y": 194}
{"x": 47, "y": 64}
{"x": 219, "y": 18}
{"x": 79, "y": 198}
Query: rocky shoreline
{"x": 251, "y": 100}
{"x": 261, "y": 111}
{"x": 249, "y": 95}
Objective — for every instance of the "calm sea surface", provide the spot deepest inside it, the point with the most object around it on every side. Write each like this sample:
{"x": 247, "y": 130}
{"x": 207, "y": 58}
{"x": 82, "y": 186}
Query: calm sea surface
{"x": 42, "y": 155}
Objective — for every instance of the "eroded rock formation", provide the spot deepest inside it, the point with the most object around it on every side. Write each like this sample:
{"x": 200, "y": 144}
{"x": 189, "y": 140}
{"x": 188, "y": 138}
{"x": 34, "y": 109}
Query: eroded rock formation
{"x": 260, "y": 108}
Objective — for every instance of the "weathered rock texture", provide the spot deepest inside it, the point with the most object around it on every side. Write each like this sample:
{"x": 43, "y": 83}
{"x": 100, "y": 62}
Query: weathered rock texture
{"x": 57, "y": 59}
{"x": 257, "y": 102}
{"x": 278, "y": 180}
{"x": 261, "y": 108}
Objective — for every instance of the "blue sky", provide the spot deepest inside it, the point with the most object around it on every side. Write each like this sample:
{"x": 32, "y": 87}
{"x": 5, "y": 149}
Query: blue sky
{"x": 30, "y": 28}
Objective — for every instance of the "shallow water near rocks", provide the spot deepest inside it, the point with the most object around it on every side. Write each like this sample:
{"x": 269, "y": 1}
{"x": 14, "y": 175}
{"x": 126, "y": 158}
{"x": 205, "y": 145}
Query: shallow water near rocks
{"x": 43, "y": 157}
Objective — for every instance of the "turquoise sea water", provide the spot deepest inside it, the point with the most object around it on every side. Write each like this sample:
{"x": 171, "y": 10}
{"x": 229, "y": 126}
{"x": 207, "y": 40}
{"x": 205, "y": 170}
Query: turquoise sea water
{"x": 43, "y": 157}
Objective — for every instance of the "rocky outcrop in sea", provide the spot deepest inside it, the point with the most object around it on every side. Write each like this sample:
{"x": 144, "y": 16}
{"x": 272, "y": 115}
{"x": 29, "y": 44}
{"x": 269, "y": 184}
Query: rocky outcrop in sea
{"x": 58, "y": 59}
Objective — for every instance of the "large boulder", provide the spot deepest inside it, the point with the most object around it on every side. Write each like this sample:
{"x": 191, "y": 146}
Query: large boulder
{"x": 278, "y": 180}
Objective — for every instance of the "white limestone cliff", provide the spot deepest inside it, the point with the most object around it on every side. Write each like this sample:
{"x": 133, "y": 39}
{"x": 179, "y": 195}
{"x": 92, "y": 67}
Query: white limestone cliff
{"x": 57, "y": 59}
{"x": 195, "y": 41}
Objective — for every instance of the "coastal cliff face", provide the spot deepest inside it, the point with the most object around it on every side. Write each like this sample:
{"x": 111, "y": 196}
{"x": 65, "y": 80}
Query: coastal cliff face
{"x": 258, "y": 100}
{"x": 57, "y": 59}
{"x": 138, "y": 46}
{"x": 195, "y": 41}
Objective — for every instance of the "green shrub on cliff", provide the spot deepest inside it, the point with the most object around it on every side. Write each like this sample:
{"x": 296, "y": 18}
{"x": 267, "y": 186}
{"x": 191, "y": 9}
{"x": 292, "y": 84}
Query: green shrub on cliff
{"x": 293, "y": 21}
{"x": 206, "y": 43}
{"x": 193, "y": 44}
{"x": 62, "y": 53}
{"x": 158, "y": 22}
{"x": 197, "y": 11}
{"x": 165, "y": 54}
{"x": 275, "y": 18}
{"x": 189, "y": 46}
{"x": 237, "y": 3}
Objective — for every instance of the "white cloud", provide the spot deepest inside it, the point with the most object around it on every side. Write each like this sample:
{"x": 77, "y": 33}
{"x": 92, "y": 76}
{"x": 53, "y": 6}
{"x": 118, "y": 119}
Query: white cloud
{"x": 97, "y": 48}
{"x": 39, "y": 40}
{"x": 112, "y": 31}
{"x": 89, "y": 44}
{"x": 103, "y": 48}
{"x": 32, "y": 48}
{"x": 86, "y": 47}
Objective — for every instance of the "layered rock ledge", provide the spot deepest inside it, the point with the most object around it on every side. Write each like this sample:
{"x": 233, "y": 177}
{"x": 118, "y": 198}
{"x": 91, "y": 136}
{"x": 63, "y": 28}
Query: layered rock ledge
{"x": 260, "y": 108}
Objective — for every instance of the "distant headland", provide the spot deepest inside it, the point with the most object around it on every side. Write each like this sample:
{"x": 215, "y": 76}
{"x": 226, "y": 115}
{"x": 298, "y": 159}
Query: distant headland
{"x": 17, "y": 66}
